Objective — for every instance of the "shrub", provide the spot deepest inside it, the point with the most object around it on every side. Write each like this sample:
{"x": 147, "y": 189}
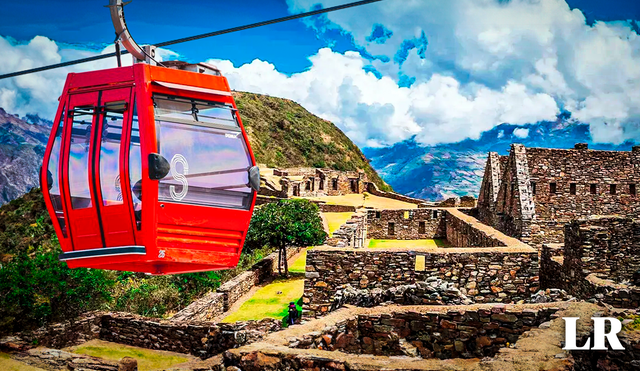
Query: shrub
{"x": 286, "y": 223}
{"x": 36, "y": 288}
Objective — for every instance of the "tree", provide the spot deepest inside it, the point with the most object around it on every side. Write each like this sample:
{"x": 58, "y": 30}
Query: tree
{"x": 286, "y": 223}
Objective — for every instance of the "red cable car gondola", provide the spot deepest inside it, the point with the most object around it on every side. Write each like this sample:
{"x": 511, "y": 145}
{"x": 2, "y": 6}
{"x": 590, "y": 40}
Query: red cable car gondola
{"x": 148, "y": 168}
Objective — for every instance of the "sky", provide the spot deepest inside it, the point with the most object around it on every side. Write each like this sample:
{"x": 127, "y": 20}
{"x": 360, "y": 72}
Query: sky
{"x": 437, "y": 71}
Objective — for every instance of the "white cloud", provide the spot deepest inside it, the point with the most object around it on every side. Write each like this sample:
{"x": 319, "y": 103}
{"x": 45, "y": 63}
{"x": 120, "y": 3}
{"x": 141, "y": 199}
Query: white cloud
{"x": 39, "y": 92}
{"x": 543, "y": 45}
{"x": 486, "y": 62}
{"x": 376, "y": 111}
{"x": 521, "y": 133}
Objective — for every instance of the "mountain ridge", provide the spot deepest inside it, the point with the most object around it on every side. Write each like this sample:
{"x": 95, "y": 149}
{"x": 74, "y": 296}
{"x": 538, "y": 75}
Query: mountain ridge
{"x": 456, "y": 169}
{"x": 282, "y": 134}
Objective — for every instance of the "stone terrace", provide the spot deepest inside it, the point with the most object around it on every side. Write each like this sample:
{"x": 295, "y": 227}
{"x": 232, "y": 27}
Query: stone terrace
{"x": 536, "y": 349}
{"x": 495, "y": 268}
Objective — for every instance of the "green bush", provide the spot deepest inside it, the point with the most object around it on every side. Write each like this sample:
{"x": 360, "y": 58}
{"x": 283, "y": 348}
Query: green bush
{"x": 36, "y": 288}
{"x": 286, "y": 223}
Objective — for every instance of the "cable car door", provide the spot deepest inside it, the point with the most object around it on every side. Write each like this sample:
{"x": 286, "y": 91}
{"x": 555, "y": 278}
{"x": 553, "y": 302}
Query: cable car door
{"x": 94, "y": 170}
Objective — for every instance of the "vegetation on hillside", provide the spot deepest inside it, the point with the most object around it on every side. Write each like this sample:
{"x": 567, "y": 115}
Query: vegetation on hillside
{"x": 284, "y": 134}
{"x": 36, "y": 288}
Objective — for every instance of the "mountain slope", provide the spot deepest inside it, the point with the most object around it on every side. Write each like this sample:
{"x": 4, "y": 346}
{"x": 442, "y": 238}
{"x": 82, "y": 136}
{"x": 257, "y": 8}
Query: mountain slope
{"x": 456, "y": 169}
{"x": 281, "y": 132}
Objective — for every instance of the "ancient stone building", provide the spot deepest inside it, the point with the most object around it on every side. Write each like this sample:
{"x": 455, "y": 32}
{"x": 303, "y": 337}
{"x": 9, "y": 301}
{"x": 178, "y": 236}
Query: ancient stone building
{"x": 532, "y": 193}
{"x": 312, "y": 182}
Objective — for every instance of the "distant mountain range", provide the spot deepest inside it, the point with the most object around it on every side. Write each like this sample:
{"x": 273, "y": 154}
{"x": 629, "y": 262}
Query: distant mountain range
{"x": 282, "y": 134}
{"x": 456, "y": 169}
{"x": 22, "y": 144}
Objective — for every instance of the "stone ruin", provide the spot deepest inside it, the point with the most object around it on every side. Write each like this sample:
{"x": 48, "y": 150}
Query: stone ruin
{"x": 533, "y": 192}
{"x": 313, "y": 182}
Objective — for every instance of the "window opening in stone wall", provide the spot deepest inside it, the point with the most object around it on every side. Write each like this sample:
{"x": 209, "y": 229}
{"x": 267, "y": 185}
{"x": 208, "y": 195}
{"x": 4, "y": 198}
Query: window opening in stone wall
{"x": 533, "y": 188}
{"x": 632, "y": 189}
{"x": 378, "y": 215}
{"x": 321, "y": 185}
{"x": 435, "y": 214}
{"x": 421, "y": 228}
{"x": 307, "y": 186}
{"x": 572, "y": 188}
{"x": 612, "y": 189}
{"x": 406, "y": 215}
{"x": 593, "y": 189}
{"x": 552, "y": 188}
{"x": 335, "y": 184}
{"x": 392, "y": 229}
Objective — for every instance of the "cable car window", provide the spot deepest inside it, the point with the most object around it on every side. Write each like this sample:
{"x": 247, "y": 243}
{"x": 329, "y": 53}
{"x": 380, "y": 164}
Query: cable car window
{"x": 53, "y": 176}
{"x": 110, "y": 182}
{"x": 214, "y": 114}
{"x": 80, "y": 191}
{"x": 209, "y": 166}
{"x": 135, "y": 168}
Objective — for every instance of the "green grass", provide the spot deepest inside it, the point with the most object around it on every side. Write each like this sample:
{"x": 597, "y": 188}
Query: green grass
{"x": 300, "y": 264}
{"x": 336, "y": 220}
{"x": 267, "y": 303}
{"x": 8, "y": 364}
{"x": 147, "y": 359}
{"x": 407, "y": 244}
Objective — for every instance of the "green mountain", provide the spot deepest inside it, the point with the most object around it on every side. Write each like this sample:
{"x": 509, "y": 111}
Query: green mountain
{"x": 284, "y": 134}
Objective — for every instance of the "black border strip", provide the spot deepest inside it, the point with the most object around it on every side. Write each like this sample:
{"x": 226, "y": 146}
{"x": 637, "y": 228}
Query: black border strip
{"x": 103, "y": 252}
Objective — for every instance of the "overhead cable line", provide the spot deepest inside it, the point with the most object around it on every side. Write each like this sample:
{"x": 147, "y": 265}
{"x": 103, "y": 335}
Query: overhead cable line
{"x": 202, "y": 36}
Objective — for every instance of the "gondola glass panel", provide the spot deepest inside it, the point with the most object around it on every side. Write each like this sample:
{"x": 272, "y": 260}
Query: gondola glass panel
{"x": 79, "y": 157}
{"x": 208, "y": 156}
{"x": 110, "y": 183}
{"x": 53, "y": 175}
{"x": 135, "y": 168}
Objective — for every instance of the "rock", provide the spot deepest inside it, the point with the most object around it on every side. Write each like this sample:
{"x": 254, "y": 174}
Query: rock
{"x": 128, "y": 364}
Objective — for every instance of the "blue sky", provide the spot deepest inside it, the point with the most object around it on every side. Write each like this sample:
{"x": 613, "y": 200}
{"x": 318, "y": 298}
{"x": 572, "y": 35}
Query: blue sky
{"x": 441, "y": 71}
{"x": 287, "y": 44}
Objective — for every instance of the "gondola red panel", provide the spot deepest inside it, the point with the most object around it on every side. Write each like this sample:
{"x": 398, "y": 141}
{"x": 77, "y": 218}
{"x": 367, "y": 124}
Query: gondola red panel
{"x": 149, "y": 169}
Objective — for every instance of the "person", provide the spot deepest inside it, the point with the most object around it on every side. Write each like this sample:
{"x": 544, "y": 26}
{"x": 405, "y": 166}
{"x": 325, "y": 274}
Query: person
{"x": 293, "y": 313}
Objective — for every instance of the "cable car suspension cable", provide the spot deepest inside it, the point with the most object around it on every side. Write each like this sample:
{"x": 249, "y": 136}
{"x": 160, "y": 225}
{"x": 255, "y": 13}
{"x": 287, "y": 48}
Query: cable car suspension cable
{"x": 196, "y": 37}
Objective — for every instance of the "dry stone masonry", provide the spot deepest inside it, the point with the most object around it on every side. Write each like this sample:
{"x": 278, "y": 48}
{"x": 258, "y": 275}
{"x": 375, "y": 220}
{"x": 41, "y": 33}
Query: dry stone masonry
{"x": 534, "y": 192}
{"x": 455, "y": 333}
{"x": 507, "y": 274}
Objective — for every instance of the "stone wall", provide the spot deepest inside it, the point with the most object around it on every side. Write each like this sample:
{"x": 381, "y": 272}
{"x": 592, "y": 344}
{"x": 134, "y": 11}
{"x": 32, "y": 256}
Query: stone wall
{"x": 203, "y": 340}
{"x": 541, "y": 189}
{"x": 352, "y": 233}
{"x": 312, "y": 182}
{"x": 458, "y": 228}
{"x": 374, "y": 190}
{"x": 601, "y": 259}
{"x": 607, "y": 246}
{"x": 234, "y": 289}
{"x": 465, "y": 231}
{"x": 499, "y": 274}
{"x": 455, "y": 333}
{"x": 405, "y": 224}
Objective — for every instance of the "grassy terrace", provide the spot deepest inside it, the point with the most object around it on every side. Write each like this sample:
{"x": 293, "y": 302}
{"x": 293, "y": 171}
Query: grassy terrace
{"x": 406, "y": 244}
{"x": 148, "y": 360}
{"x": 336, "y": 220}
{"x": 8, "y": 364}
{"x": 270, "y": 301}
